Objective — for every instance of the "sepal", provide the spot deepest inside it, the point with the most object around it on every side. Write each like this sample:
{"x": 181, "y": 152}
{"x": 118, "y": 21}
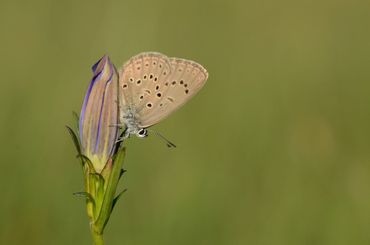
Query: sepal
{"x": 110, "y": 190}
{"x": 75, "y": 140}
{"x": 86, "y": 160}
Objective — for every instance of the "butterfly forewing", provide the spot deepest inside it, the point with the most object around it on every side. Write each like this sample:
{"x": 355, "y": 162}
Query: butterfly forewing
{"x": 138, "y": 77}
{"x": 153, "y": 85}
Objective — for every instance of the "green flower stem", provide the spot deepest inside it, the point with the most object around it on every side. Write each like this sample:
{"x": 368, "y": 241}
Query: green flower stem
{"x": 102, "y": 188}
{"x": 97, "y": 238}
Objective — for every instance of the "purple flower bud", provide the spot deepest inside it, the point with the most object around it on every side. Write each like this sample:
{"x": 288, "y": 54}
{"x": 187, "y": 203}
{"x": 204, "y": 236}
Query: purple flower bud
{"x": 99, "y": 114}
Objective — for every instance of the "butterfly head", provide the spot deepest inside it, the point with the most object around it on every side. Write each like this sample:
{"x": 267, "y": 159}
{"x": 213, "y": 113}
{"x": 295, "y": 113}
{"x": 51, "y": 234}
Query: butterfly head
{"x": 133, "y": 127}
{"x": 142, "y": 133}
{"x": 135, "y": 130}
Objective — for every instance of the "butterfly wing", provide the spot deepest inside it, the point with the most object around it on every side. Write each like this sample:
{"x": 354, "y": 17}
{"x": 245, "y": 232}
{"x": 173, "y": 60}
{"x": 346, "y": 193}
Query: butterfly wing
{"x": 185, "y": 80}
{"x": 138, "y": 77}
{"x": 165, "y": 85}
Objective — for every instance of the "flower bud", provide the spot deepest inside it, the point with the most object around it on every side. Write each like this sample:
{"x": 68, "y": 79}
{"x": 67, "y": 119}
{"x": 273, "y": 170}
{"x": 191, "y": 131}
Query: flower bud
{"x": 99, "y": 115}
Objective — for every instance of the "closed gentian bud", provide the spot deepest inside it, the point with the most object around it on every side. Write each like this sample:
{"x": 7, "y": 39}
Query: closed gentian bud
{"x": 99, "y": 115}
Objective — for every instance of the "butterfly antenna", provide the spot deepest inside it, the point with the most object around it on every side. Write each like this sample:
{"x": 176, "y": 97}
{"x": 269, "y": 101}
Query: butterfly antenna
{"x": 168, "y": 143}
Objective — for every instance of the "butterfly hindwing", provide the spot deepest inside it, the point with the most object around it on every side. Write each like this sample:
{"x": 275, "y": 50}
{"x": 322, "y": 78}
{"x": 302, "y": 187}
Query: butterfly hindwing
{"x": 185, "y": 80}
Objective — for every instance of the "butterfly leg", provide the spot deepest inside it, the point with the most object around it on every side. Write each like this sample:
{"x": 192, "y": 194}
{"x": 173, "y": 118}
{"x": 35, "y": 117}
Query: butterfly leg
{"x": 116, "y": 125}
{"x": 125, "y": 135}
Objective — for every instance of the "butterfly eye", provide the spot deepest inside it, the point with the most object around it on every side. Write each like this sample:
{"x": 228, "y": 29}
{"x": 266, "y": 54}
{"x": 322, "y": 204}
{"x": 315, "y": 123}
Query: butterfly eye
{"x": 142, "y": 133}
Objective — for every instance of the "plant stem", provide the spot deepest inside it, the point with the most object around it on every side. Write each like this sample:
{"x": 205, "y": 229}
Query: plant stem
{"x": 97, "y": 238}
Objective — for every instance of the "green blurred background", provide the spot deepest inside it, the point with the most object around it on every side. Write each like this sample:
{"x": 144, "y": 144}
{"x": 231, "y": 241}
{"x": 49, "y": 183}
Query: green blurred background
{"x": 274, "y": 150}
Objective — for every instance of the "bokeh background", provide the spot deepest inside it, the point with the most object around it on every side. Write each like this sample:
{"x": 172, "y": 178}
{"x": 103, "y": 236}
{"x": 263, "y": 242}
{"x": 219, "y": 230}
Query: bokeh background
{"x": 274, "y": 150}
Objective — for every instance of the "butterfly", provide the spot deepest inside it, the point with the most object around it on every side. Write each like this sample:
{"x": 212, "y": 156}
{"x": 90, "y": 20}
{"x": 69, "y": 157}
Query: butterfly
{"x": 152, "y": 86}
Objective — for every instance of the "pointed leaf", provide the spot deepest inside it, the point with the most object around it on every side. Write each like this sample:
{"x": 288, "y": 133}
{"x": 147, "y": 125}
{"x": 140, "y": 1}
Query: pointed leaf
{"x": 84, "y": 194}
{"x": 86, "y": 160}
{"x": 77, "y": 121}
{"x": 121, "y": 173}
{"x": 117, "y": 198}
{"x": 99, "y": 185}
{"x": 74, "y": 139}
{"x": 76, "y": 143}
{"x": 90, "y": 203}
{"x": 96, "y": 189}
{"x": 99, "y": 177}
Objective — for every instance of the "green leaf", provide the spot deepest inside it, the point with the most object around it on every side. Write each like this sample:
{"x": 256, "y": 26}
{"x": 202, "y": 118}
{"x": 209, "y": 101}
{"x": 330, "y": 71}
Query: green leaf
{"x": 99, "y": 177}
{"x": 77, "y": 144}
{"x": 121, "y": 173}
{"x": 90, "y": 202}
{"x": 74, "y": 139}
{"x": 99, "y": 185}
{"x": 115, "y": 200}
{"x": 84, "y": 194}
{"x": 86, "y": 160}
{"x": 110, "y": 191}
{"x": 77, "y": 121}
{"x": 96, "y": 189}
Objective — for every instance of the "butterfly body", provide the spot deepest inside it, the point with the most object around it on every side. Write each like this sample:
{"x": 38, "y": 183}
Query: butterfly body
{"x": 132, "y": 124}
{"x": 152, "y": 86}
